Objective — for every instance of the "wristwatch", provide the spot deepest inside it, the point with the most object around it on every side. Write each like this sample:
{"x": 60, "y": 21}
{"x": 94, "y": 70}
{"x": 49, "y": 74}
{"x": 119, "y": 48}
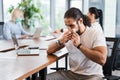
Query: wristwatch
{"x": 58, "y": 42}
{"x": 61, "y": 30}
{"x": 79, "y": 45}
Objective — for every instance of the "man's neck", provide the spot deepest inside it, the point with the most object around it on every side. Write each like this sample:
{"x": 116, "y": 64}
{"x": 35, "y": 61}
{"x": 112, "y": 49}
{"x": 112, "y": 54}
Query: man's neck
{"x": 82, "y": 30}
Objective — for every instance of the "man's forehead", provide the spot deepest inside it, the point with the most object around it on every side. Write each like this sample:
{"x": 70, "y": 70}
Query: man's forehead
{"x": 69, "y": 20}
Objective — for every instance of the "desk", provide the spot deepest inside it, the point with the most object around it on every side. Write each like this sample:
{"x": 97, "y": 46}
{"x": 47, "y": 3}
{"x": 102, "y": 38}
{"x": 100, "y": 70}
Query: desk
{"x": 21, "y": 67}
{"x": 7, "y": 45}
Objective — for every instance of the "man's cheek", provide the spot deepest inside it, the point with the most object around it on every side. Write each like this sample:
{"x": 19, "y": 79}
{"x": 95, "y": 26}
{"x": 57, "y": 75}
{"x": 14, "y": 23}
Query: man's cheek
{"x": 74, "y": 30}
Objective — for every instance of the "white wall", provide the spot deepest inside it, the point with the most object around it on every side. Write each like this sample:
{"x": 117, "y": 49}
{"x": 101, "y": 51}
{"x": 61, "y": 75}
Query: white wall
{"x": 110, "y": 18}
{"x": 85, "y": 6}
{"x": 118, "y": 19}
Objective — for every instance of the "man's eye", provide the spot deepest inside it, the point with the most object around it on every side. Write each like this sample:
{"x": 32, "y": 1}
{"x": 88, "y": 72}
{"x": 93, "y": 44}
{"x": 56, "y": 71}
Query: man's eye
{"x": 71, "y": 25}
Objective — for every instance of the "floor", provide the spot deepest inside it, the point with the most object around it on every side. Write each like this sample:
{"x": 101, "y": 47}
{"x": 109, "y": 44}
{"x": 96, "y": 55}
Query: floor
{"x": 117, "y": 73}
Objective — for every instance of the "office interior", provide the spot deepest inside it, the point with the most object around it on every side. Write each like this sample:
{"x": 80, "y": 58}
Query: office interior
{"x": 52, "y": 12}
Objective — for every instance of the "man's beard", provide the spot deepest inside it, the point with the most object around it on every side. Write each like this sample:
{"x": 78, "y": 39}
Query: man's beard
{"x": 78, "y": 30}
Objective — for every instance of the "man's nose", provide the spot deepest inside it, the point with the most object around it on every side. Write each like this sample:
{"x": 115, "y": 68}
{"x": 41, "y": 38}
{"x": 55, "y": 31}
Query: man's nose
{"x": 69, "y": 28}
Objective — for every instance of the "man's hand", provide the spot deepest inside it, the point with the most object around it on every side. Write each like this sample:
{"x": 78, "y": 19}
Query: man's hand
{"x": 75, "y": 39}
{"x": 66, "y": 37}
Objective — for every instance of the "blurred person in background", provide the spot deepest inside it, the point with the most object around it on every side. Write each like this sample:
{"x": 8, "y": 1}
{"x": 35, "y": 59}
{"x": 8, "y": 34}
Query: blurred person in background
{"x": 14, "y": 26}
{"x": 94, "y": 14}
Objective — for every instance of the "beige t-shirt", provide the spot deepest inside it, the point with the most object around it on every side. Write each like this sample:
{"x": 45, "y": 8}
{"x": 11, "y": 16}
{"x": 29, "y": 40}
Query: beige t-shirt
{"x": 78, "y": 62}
{"x": 96, "y": 26}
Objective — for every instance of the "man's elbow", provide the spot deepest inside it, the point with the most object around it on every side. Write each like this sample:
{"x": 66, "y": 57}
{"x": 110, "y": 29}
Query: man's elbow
{"x": 48, "y": 52}
{"x": 102, "y": 61}
{"x": 103, "y": 57}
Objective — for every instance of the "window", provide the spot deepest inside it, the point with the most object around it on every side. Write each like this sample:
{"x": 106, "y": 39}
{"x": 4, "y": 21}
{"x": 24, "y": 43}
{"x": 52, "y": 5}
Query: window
{"x": 1, "y": 12}
{"x": 110, "y": 18}
{"x": 45, "y": 10}
{"x": 118, "y": 19}
{"x": 6, "y": 5}
{"x": 97, "y": 3}
{"x": 76, "y": 3}
{"x": 57, "y": 8}
{"x": 60, "y": 9}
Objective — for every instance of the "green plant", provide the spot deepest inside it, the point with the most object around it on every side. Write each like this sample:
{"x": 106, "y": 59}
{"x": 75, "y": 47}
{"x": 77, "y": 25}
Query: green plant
{"x": 31, "y": 12}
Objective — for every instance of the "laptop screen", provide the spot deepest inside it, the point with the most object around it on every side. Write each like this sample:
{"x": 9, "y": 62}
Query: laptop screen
{"x": 37, "y": 32}
{"x": 15, "y": 41}
{"x": 24, "y": 52}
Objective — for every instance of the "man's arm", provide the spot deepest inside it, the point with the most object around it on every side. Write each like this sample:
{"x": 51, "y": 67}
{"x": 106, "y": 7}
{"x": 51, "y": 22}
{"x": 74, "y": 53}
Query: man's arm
{"x": 97, "y": 54}
{"x": 55, "y": 46}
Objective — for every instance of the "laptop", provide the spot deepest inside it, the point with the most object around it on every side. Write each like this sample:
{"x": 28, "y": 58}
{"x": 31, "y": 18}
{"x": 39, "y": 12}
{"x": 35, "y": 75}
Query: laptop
{"x": 24, "y": 51}
{"x": 37, "y": 32}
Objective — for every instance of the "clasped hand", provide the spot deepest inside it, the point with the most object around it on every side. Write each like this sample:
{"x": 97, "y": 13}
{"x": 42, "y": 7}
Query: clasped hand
{"x": 70, "y": 35}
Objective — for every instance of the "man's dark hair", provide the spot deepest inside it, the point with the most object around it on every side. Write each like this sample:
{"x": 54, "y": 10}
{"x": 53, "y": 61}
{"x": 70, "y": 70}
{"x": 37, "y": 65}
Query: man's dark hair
{"x": 76, "y": 14}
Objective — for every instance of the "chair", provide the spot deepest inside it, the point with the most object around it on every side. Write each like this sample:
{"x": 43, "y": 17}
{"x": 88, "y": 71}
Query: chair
{"x": 111, "y": 61}
{"x": 117, "y": 57}
{"x": 1, "y": 29}
{"x": 57, "y": 68}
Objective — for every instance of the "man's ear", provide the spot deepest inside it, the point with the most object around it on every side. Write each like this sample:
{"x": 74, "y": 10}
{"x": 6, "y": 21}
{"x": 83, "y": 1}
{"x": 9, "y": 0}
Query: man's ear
{"x": 80, "y": 21}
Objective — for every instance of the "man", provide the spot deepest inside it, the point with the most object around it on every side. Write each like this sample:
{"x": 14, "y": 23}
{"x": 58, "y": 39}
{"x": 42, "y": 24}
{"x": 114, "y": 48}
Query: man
{"x": 86, "y": 46}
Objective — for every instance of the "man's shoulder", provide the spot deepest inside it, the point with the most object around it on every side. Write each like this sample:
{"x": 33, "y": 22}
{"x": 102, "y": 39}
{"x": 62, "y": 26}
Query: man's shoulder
{"x": 93, "y": 32}
{"x": 96, "y": 29}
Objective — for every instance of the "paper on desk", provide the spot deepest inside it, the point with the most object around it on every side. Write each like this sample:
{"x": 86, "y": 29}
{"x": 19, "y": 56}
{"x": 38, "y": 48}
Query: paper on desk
{"x": 61, "y": 52}
{"x": 48, "y": 38}
{"x": 8, "y": 55}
